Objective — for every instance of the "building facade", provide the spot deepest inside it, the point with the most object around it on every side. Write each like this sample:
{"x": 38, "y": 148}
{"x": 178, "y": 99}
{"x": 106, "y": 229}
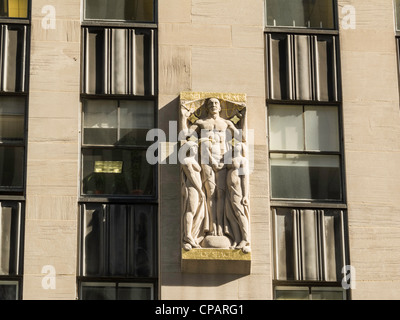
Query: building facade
{"x": 86, "y": 215}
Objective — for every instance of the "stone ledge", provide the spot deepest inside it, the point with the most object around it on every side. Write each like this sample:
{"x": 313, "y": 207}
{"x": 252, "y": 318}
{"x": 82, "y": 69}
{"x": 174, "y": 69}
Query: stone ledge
{"x": 216, "y": 261}
{"x": 233, "y": 97}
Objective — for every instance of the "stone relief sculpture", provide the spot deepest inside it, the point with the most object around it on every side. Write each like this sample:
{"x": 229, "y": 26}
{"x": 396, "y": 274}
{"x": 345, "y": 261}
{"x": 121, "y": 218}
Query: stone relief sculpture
{"x": 215, "y": 187}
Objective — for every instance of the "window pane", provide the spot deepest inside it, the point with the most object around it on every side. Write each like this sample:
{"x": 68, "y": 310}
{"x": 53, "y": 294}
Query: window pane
{"x": 12, "y": 118}
{"x": 300, "y": 13}
{"x": 136, "y": 177}
{"x": 296, "y": 293}
{"x": 13, "y": 58}
{"x": 327, "y": 293}
{"x": 13, "y": 8}
{"x": 100, "y": 122}
{"x": 143, "y": 243}
{"x": 127, "y": 291}
{"x": 125, "y": 10}
{"x": 305, "y": 177}
{"x": 279, "y": 60}
{"x": 137, "y": 117}
{"x": 10, "y": 220}
{"x": 301, "y": 251}
{"x": 322, "y": 128}
{"x": 94, "y": 238}
{"x": 286, "y": 128}
{"x": 11, "y": 167}
{"x": 118, "y": 240}
{"x": 117, "y": 224}
{"x": 326, "y": 86}
{"x": 98, "y": 291}
{"x": 302, "y": 67}
{"x": 8, "y": 290}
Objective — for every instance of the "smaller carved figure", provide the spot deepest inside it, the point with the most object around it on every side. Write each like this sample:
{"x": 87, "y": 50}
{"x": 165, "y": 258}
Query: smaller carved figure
{"x": 194, "y": 219}
{"x": 237, "y": 204}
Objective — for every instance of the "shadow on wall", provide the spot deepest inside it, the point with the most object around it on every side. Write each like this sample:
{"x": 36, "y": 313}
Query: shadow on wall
{"x": 199, "y": 280}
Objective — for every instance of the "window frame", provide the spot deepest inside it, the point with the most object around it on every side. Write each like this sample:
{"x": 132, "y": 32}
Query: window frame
{"x": 153, "y": 281}
{"x": 302, "y": 285}
{"x": 8, "y": 20}
{"x": 119, "y": 23}
{"x": 17, "y": 193}
{"x": 135, "y": 282}
{"x": 396, "y": 17}
{"x": 18, "y": 277}
{"x": 81, "y": 243}
{"x": 124, "y": 197}
{"x": 298, "y": 203}
{"x": 338, "y": 212}
{"x": 151, "y": 200}
{"x": 339, "y": 153}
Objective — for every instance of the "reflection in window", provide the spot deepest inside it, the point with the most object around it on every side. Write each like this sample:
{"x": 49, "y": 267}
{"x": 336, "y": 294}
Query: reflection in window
{"x": 10, "y": 238}
{"x": 135, "y": 178}
{"x": 111, "y": 122}
{"x": 304, "y": 128}
{"x": 118, "y": 240}
{"x": 305, "y": 152}
{"x": 12, "y": 137}
{"x": 302, "y": 67}
{"x": 8, "y": 290}
{"x": 12, "y": 119}
{"x": 120, "y": 10}
{"x": 308, "y": 244}
{"x": 13, "y": 8}
{"x": 309, "y": 293}
{"x": 305, "y": 177}
{"x": 118, "y": 61}
{"x": 317, "y": 14}
{"x": 13, "y": 58}
{"x": 116, "y": 291}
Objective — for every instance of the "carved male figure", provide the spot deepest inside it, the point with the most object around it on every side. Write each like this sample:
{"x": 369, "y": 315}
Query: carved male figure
{"x": 213, "y": 130}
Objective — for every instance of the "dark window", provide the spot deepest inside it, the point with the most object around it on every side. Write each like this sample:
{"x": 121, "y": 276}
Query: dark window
{"x": 9, "y": 290}
{"x": 119, "y": 10}
{"x": 315, "y": 14}
{"x": 309, "y": 293}
{"x": 12, "y": 143}
{"x": 118, "y": 241}
{"x": 116, "y": 291}
{"x": 114, "y": 148}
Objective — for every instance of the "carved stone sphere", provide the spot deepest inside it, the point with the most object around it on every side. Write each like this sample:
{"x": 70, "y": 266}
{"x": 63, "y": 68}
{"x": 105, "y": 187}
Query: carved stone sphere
{"x": 216, "y": 242}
